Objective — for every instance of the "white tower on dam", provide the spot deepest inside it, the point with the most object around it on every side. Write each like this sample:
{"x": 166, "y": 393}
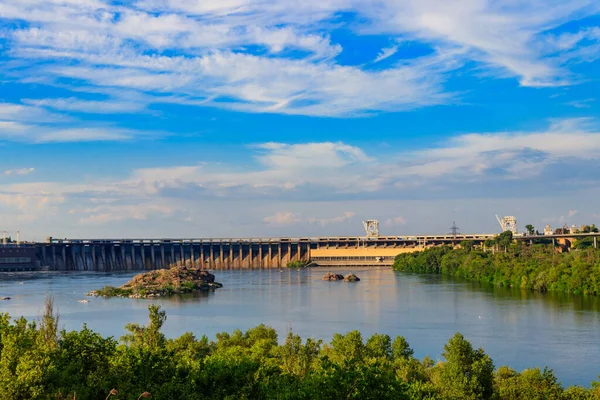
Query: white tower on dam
{"x": 371, "y": 228}
{"x": 508, "y": 223}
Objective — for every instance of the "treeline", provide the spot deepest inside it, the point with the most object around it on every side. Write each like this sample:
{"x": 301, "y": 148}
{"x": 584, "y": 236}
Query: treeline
{"x": 39, "y": 362}
{"x": 536, "y": 267}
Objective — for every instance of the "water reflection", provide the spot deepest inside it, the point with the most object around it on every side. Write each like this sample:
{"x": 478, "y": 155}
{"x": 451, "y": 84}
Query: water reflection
{"x": 517, "y": 328}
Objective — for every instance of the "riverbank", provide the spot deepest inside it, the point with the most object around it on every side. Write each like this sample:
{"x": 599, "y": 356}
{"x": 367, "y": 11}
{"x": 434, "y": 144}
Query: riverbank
{"x": 253, "y": 364}
{"x": 536, "y": 267}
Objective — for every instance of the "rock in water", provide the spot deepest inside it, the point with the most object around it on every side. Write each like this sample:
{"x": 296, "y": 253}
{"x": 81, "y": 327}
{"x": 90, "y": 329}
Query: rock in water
{"x": 351, "y": 278}
{"x": 332, "y": 277}
{"x": 163, "y": 282}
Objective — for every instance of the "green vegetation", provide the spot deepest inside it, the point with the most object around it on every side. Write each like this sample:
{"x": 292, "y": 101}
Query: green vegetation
{"x": 589, "y": 229}
{"x": 164, "y": 282}
{"x": 537, "y": 267}
{"x": 297, "y": 264}
{"x": 39, "y": 362}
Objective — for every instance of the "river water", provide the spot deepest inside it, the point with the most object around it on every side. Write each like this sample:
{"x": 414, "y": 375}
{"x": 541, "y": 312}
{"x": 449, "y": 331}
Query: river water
{"x": 516, "y": 328}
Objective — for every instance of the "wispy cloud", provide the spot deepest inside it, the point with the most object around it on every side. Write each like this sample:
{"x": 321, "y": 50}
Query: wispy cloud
{"x": 278, "y": 57}
{"x": 386, "y": 53}
{"x": 19, "y": 171}
{"x": 586, "y": 103}
{"x": 112, "y": 213}
{"x": 88, "y": 106}
{"x": 395, "y": 221}
{"x": 283, "y": 218}
{"x": 306, "y": 178}
{"x": 292, "y": 218}
{"x": 347, "y": 216}
{"x": 31, "y": 123}
{"x": 299, "y": 172}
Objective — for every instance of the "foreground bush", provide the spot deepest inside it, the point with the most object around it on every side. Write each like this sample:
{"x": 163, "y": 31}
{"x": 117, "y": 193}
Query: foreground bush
{"x": 38, "y": 362}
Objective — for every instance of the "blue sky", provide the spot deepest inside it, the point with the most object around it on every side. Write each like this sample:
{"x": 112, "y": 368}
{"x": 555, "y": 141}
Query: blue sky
{"x": 196, "y": 118}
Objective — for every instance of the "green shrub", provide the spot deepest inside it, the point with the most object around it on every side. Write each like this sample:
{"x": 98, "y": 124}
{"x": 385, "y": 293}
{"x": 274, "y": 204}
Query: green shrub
{"x": 297, "y": 264}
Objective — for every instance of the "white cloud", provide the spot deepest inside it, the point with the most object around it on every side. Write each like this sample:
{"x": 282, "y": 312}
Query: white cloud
{"x": 573, "y": 213}
{"x": 88, "y": 106}
{"x": 386, "y": 53}
{"x": 112, "y": 213}
{"x": 19, "y": 171}
{"x": 33, "y": 124}
{"x": 47, "y": 134}
{"x": 292, "y": 218}
{"x": 310, "y": 155}
{"x": 283, "y": 218}
{"x": 21, "y": 207}
{"x": 486, "y": 166}
{"x": 347, "y": 216}
{"x": 276, "y": 56}
{"x": 480, "y": 161}
{"x": 585, "y": 103}
{"x": 395, "y": 221}
{"x": 519, "y": 154}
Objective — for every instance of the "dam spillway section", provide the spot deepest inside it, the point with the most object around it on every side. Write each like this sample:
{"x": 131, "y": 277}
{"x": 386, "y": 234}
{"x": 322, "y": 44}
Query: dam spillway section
{"x": 244, "y": 253}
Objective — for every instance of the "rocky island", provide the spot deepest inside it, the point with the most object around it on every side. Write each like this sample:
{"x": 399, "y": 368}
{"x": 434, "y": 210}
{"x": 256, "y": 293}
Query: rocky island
{"x": 161, "y": 283}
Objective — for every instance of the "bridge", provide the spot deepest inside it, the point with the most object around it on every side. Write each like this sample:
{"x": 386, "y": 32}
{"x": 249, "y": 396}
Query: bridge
{"x": 231, "y": 253}
{"x": 563, "y": 239}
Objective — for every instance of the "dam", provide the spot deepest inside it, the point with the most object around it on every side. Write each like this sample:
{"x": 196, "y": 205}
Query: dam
{"x": 244, "y": 253}
{"x": 227, "y": 253}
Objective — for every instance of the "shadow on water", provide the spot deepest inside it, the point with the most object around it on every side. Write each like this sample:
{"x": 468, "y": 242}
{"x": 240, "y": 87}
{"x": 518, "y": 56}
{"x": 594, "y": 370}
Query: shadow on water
{"x": 184, "y": 298}
{"x": 548, "y": 299}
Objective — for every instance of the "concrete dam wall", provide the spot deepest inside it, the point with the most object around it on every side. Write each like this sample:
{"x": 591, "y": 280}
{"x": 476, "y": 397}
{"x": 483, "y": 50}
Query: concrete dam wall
{"x": 149, "y": 255}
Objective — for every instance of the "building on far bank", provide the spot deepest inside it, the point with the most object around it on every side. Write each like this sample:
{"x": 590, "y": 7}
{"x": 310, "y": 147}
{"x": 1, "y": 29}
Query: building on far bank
{"x": 548, "y": 230}
{"x": 15, "y": 258}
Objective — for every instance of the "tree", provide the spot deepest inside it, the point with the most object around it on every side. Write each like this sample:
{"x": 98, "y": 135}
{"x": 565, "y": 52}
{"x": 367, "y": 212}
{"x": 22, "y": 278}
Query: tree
{"x": 297, "y": 358}
{"x": 530, "y": 229}
{"x": 584, "y": 243}
{"x": 467, "y": 245}
{"x": 467, "y": 373}
{"x": 531, "y": 384}
{"x": 401, "y": 348}
{"x": 593, "y": 228}
{"x": 505, "y": 239}
{"x": 151, "y": 335}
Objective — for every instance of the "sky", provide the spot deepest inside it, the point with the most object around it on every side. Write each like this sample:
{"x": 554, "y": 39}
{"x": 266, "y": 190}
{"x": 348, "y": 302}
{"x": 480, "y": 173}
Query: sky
{"x": 267, "y": 118}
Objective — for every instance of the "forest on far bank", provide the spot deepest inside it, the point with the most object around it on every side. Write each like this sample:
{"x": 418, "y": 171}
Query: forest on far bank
{"x": 502, "y": 262}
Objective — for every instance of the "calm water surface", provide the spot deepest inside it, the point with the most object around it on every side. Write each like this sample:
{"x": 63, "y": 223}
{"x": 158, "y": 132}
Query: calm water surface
{"x": 520, "y": 329}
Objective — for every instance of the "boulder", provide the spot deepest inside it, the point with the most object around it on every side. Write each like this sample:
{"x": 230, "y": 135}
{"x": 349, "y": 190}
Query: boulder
{"x": 207, "y": 276}
{"x": 332, "y": 277}
{"x": 351, "y": 278}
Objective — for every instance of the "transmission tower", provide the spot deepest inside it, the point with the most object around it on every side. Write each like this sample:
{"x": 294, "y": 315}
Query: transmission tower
{"x": 454, "y": 230}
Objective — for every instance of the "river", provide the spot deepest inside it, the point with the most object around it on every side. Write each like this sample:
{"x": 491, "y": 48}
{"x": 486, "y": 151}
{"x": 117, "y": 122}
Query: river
{"x": 516, "y": 328}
